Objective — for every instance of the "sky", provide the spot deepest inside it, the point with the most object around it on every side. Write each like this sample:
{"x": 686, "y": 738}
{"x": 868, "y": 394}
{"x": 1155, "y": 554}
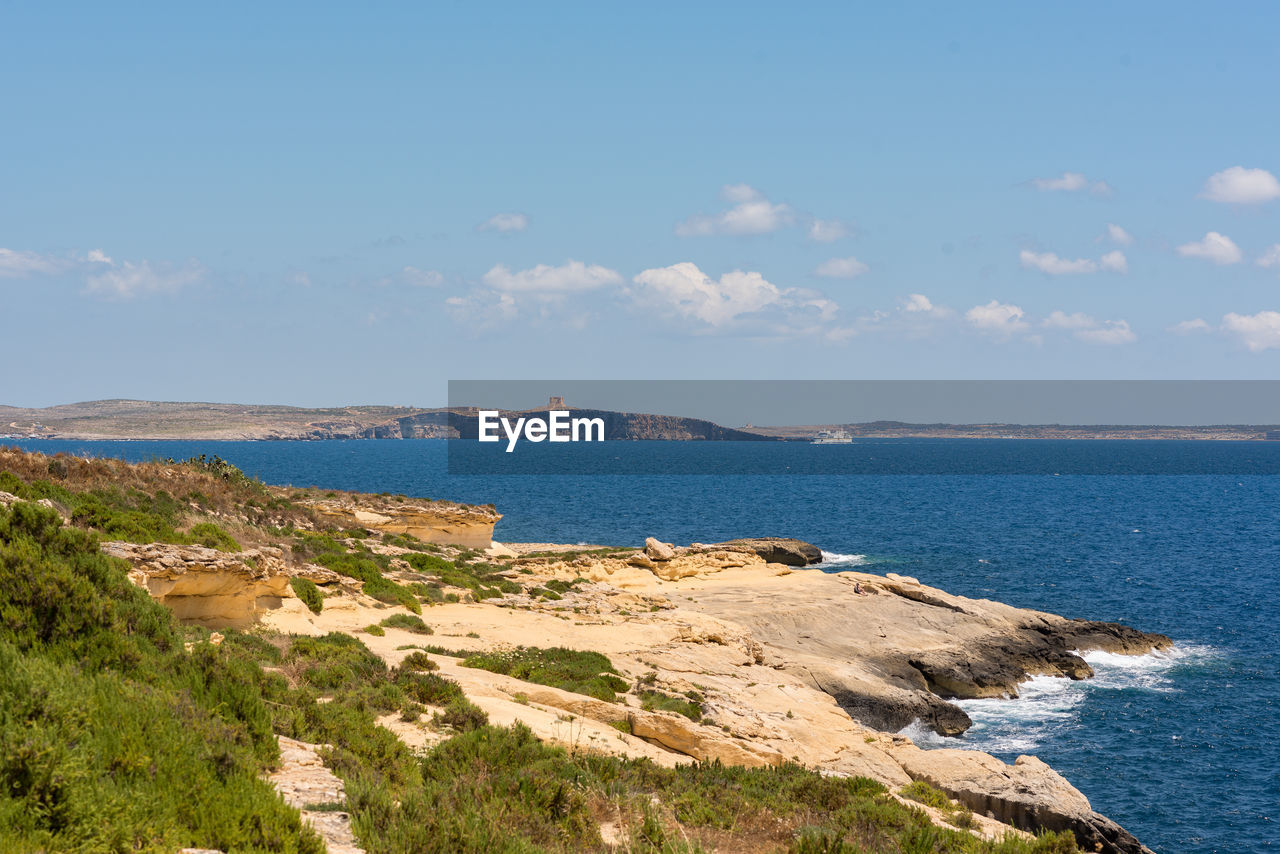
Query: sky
{"x": 325, "y": 204}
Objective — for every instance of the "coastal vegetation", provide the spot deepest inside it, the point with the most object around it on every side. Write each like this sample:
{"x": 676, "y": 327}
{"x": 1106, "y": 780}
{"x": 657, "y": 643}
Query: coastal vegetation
{"x": 112, "y": 736}
{"x": 308, "y": 593}
{"x": 573, "y": 670}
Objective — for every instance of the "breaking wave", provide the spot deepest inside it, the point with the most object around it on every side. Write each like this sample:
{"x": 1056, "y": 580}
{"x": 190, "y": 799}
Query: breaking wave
{"x": 832, "y": 560}
{"x": 1048, "y": 705}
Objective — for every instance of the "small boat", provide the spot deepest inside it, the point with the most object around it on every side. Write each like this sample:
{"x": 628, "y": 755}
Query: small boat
{"x": 832, "y": 437}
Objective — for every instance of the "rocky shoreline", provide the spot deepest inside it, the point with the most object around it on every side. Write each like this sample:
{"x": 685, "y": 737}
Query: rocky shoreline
{"x": 739, "y": 652}
{"x": 821, "y": 668}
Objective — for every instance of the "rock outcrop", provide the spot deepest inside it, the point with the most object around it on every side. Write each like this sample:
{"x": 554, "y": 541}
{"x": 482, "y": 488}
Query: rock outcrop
{"x": 1027, "y": 794}
{"x": 783, "y": 550}
{"x": 216, "y": 589}
{"x": 444, "y": 522}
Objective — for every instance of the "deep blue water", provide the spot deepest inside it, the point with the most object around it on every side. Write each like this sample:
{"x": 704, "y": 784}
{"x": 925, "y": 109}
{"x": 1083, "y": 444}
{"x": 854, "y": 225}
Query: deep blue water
{"x": 1181, "y": 749}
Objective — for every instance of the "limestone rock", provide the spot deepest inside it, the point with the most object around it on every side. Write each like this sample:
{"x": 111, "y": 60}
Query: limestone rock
{"x": 212, "y": 588}
{"x": 1027, "y": 794}
{"x": 784, "y": 550}
{"x": 655, "y": 549}
{"x": 443, "y": 522}
{"x": 681, "y": 734}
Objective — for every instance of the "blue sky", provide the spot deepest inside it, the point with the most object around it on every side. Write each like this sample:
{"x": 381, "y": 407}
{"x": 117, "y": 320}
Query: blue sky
{"x": 325, "y": 204}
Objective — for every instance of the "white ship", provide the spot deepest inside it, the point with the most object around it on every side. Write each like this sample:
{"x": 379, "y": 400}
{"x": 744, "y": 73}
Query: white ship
{"x": 832, "y": 437}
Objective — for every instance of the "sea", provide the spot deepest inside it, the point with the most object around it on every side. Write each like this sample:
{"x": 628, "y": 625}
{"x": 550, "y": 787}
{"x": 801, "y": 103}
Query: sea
{"x": 1180, "y": 747}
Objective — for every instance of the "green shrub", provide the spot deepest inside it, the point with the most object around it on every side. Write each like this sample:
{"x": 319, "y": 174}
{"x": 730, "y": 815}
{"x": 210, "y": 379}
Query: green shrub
{"x": 408, "y": 622}
{"x": 306, "y": 590}
{"x": 418, "y": 661}
{"x": 483, "y": 580}
{"x": 927, "y": 794}
{"x": 368, "y": 568}
{"x": 209, "y": 534}
{"x": 652, "y": 700}
{"x": 109, "y": 731}
{"x": 333, "y": 661}
{"x": 461, "y": 714}
{"x": 587, "y": 673}
{"x": 430, "y": 689}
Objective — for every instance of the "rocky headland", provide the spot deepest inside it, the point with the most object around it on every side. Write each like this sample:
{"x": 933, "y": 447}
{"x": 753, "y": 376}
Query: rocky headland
{"x": 797, "y": 665}
{"x": 742, "y": 652}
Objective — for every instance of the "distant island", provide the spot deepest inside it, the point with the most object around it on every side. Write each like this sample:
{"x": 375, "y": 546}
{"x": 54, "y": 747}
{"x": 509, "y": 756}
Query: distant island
{"x": 141, "y": 419}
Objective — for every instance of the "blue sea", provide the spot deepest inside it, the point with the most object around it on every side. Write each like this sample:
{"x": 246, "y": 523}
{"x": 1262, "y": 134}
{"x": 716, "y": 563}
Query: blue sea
{"x": 1182, "y": 748}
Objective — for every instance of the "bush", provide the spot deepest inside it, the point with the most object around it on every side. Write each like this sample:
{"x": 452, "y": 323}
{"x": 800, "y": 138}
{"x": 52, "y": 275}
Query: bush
{"x": 430, "y": 689}
{"x": 109, "y": 731}
{"x": 333, "y": 661}
{"x": 461, "y": 714}
{"x": 209, "y": 534}
{"x": 659, "y": 701}
{"x": 481, "y": 579}
{"x": 929, "y": 795}
{"x": 587, "y": 673}
{"x": 408, "y": 622}
{"x": 418, "y": 661}
{"x": 306, "y": 590}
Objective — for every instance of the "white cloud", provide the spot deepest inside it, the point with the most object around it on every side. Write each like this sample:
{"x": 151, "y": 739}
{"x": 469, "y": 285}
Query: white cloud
{"x": 1215, "y": 247}
{"x": 15, "y": 264}
{"x": 920, "y": 306}
{"x": 1240, "y": 186}
{"x": 570, "y": 277}
{"x": 751, "y": 213}
{"x": 1118, "y": 235}
{"x": 505, "y": 222}
{"x": 688, "y": 292}
{"x": 1071, "y": 182}
{"x": 739, "y": 193}
{"x": 104, "y": 276}
{"x": 997, "y": 318}
{"x": 1108, "y": 332}
{"x": 1050, "y": 264}
{"x": 1062, "y": 320}
{"x": 127, "y": 279}
{"x": 1189, "y": 327}
{"x": 1087, "y": 328}
{"x": 841, "y": 268}
{"x": 1114, "y": 262}
{"x": 827, "y": 230}
{"x": 483, "y": 309}
{"x": 1257, "y": 332}
{"x": 1271, "y": 257}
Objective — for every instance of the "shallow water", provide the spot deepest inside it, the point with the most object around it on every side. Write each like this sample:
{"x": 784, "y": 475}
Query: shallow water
{"x": 1182, "y": 748}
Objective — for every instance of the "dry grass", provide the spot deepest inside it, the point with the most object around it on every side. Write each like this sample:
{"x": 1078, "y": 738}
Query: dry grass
{"x": 241, "y": 501}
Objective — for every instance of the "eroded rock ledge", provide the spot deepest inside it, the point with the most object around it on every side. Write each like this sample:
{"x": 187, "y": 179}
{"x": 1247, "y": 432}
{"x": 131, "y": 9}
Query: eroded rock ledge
{"x": 445, "y": 522}
{"x": 217, "y": 589}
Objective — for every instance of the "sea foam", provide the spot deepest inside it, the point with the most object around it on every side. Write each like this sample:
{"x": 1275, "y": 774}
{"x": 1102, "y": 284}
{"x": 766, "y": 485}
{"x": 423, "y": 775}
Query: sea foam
{"x": 1049, "y": 704}
{"x": 835, "y": 559}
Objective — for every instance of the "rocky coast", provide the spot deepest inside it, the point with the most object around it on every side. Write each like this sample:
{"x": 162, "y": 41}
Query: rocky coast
{"x": 744, "y": 652}
{"x": 791, "y": 664}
